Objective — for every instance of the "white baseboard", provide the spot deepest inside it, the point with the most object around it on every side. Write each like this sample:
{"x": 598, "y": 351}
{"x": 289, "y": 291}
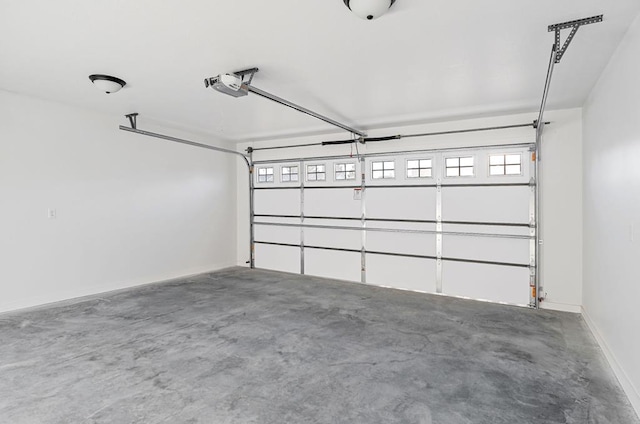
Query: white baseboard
{"x": 562, "y": 307}
{"x": 632, "y": 393}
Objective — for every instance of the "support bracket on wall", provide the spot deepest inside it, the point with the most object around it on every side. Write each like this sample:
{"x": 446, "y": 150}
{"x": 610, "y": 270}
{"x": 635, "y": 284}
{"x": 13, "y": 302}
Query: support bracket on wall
{"x": 557, "y": 52}
{"x": 574, "y": 25}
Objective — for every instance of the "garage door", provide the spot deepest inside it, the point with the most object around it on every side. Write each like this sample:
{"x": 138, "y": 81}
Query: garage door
{"x": 458, "y": 222}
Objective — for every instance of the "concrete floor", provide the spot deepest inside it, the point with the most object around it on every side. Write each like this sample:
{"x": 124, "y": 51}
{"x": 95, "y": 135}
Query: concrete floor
{"x": 241, "y": 346}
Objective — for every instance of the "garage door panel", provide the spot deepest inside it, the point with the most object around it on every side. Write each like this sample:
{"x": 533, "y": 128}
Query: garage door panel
{"x": 412, "y": 243}
{"x": 486, "y": 204}
{"x": 332, "y": 264}
{"x": 486, "y": 282}
{"x": 278, "y": 234}
{"x": 331, "y": 203}
{"x": 486, "y": 249}
{"x": 278, "y": 258}
{"x": 401, "y": 203}
{"x": 344, "y": 239}
{"x": 277, "y": 202}
{"x": 402, "y": 273}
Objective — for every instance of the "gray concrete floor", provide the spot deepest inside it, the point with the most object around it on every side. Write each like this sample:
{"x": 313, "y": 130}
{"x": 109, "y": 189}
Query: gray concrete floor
{"x": 242, "y": 346}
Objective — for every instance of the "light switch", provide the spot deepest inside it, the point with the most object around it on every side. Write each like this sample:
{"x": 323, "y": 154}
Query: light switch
{"x": 51, "y": 213}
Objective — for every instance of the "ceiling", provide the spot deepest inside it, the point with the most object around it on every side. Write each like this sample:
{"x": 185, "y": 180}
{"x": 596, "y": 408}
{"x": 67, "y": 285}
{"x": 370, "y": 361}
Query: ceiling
{"x": 424, "y": 61}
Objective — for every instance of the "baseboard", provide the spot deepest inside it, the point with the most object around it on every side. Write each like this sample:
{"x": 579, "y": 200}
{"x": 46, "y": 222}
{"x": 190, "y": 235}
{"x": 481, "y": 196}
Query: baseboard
{"x": 562, "y": 307}
{"x": 632, "y": 393}
{"x": 71, "y": 297}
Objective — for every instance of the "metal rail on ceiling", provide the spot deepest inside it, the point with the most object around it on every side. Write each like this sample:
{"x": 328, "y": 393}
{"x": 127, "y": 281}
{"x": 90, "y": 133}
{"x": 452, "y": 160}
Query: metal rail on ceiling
{"x": 304, "y": 110}
{"x": 239, "y": 87}
{"x": 132, "y": 118}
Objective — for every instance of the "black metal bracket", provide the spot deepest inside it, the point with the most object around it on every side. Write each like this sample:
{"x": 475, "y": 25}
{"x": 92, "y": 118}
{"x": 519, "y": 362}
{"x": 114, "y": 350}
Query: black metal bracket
{"x": 535, "y": 123}
{"x": 574, "y": 25}
{"x": 251, "y": 72}
{"x": 133, "y": 120}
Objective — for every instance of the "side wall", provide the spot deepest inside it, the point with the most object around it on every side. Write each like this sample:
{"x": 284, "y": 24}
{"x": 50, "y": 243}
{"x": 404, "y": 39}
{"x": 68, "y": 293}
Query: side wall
{"x": 612, "y": 212}
{"x": 129, "y": 209}
{"x": 561, "y": 263}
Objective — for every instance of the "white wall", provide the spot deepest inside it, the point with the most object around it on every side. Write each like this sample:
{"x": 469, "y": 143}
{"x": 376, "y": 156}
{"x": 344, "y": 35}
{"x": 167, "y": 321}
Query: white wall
{"x": 561, "y": 204}
{"x": 612, "y": 212}
{"x": 561, "y": 263}
{"x": 130, "y": 209}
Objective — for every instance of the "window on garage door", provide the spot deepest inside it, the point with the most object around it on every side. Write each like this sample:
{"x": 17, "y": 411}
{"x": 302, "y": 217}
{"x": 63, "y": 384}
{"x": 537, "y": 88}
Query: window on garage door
{"x": 419, "y": 168}
{"x": 289, "y": 174}
{"x": 316, "y": 172}
{"x": 383, "y": 170}
{"x": 505, "y": 164}
{"x": 265, "y": 175}
{"x": 459, "y": 166}
{"x": 345, "y": 171}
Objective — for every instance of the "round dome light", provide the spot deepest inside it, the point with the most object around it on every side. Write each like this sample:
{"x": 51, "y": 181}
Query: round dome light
{"x": 369, "y": 9}
{"x": 107, "y": 83}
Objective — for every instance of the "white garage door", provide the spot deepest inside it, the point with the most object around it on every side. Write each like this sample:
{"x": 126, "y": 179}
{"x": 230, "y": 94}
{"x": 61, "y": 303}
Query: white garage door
{"x": 457, "y": 222}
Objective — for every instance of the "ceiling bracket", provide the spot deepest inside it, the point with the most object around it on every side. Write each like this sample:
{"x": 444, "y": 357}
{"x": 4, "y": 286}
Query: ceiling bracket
{"x": 574, "y": 25}
{"x": 133, "y": 120}
{"x": 242, "y": 74}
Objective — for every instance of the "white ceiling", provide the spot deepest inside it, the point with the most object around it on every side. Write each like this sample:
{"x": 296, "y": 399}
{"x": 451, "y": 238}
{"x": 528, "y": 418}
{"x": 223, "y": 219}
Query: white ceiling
{"x": 426, "y": 60}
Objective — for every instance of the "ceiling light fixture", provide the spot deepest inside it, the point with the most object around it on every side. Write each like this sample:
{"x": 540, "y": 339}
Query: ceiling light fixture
{"x": 369, "y": 9}
{"x": 107, "y": 83}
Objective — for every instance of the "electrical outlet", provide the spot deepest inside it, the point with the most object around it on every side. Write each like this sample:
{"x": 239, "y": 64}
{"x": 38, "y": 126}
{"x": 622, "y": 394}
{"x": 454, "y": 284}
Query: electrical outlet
{"x": 357, "y": 194}
{"x": 52, "y": 213}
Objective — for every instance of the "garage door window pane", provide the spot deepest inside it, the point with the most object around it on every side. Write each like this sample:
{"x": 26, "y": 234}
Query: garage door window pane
{"x": 419, "y": 168}
{"x": 459, "y": 167}
{"x": 496, "y": 170}
{"x": 513, "y": 159}
{"x": 496, "y": 160}
{"x": 345, "y": 171}
{"x": 289, "y": 174}
{"x": 504, "y": 164}
{"x": 466, "y": 171}
{"x": 316, "y": 173}
{"x": 265, "y": 175}
{"x": 383, "y": 170}
{"x": 513, "y": 170}
{"x": 466, "y": 162}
